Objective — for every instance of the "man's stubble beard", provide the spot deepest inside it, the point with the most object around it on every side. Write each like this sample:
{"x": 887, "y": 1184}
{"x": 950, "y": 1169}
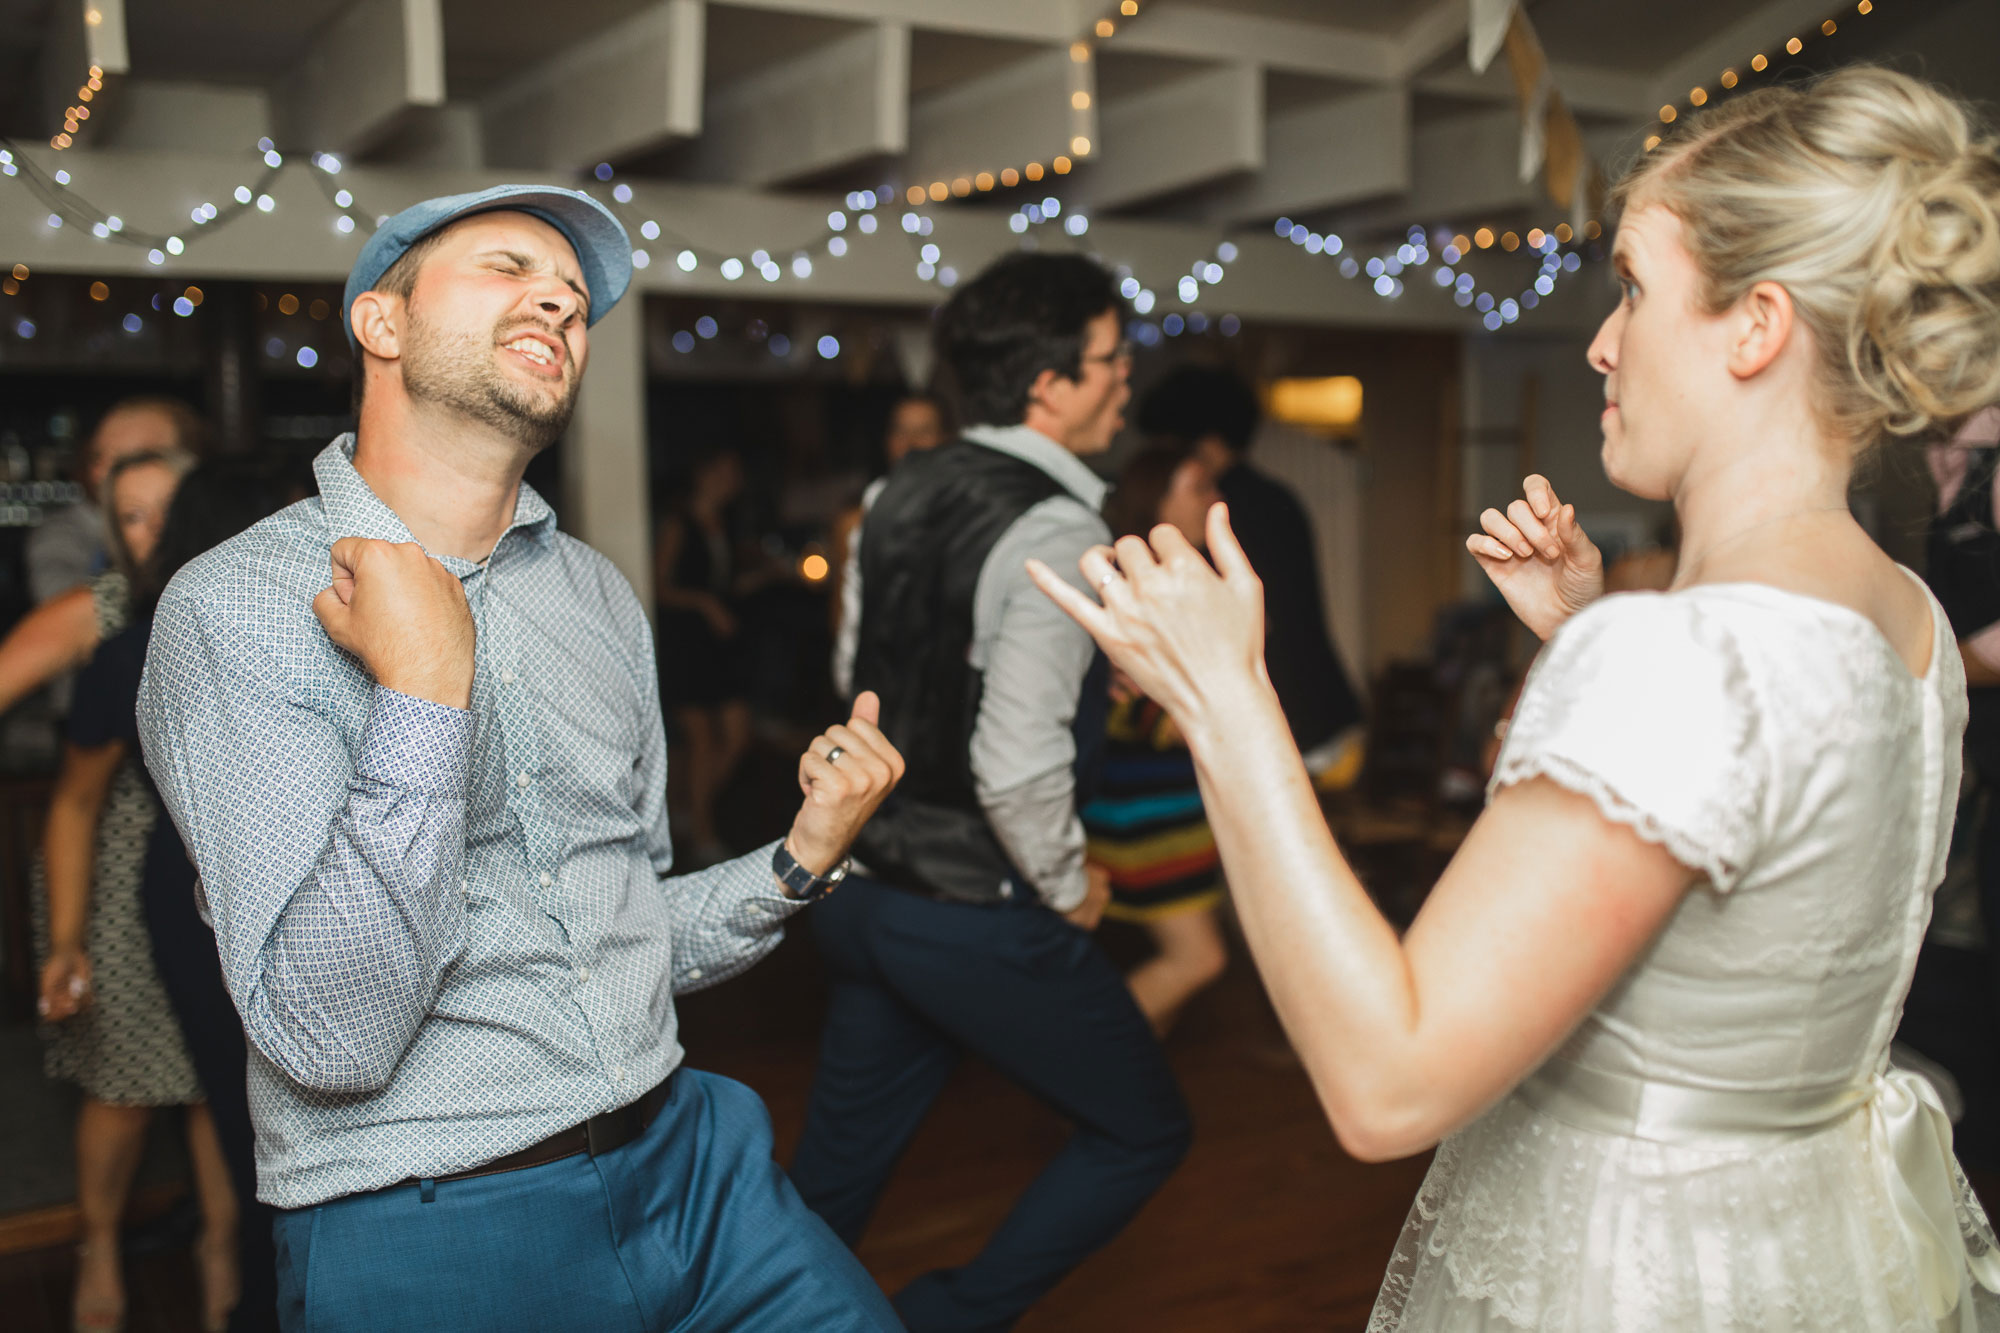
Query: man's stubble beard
{"x": 458, "y": 373}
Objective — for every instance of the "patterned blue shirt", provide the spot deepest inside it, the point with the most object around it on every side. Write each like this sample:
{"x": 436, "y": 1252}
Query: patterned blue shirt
{"x": 449, "y": 932}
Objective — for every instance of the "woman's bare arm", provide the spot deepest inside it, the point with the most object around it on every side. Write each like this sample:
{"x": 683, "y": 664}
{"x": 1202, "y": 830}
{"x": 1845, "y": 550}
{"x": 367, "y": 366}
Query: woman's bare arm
{"x": 1546, "y": 905}
{"x": 57, "y": 636}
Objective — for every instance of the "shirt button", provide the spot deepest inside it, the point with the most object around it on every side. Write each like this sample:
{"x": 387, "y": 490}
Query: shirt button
{"x": 521, "y": 780}
{"x": 583, "y": 974}
{"x": 506, "y": 676}
{"x": 547, "y": 879}
{"x": 618, "y": 1074}
{"x": 694, "y": 974}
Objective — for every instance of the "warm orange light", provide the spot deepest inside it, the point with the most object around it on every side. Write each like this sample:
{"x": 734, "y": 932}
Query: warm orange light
{"x": 984, "y": 180}
{"x": 1591, "y": 230}
{"x": 319, "y": 310}
{"x": 1699, "y": 96}
{"x": 939, "y": 190}
{"x": 1866, "y": 6}
{"x": 1536, "y": 237}
{"x": 1667, "y": 115}
{"x": 1325, "y": 403}
{"x": 193, "y": 294}
{"x": 961, "y": 187}
{"x": 84, "y": 94}
{"x": 1010, "y": 178}
{"x": 1462, "y": 241}
{"x": 81, "y": 113}
{"x": 1080, "y": 146}
{"x": 1563, "y": 233}
{"x": 915, "y": 194}
{"x": 1652, "y": 142}
{"x": 1080, "y": 100}
{"x": 1079, "y": 51}
{"x": 1757, "y": 62}
{"x": 1062, "y": 165}
{"x": 99, "y": 292}
{"x": 62, "y": 141}
{"x": 1510, "y": 242}
{"x": 1105, "y": 27}
{"x": 1729, "y": 78}
{"x": 1829, "y": 28}
{"x": 1794, "y": 46}
{"x": 1483, "y": 238}
{"x": 288, "y": 304}
{"x": 1033, "y": 171}
{"x": 1128, "y": 8}
{"x": 9, "y": 286}
{"x": 20, "y": 272}
{"x": 813, "y": 568}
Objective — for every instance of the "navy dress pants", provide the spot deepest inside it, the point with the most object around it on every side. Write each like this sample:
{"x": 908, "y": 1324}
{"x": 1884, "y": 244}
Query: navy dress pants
{"x": 915, "y": 982}
{"x": 691, "y": 1226}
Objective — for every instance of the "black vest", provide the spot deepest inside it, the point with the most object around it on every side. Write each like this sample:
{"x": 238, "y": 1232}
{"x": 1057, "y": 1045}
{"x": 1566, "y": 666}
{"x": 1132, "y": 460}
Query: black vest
{"x": 926, "y": 539}
{"x": 1963, "y": 569}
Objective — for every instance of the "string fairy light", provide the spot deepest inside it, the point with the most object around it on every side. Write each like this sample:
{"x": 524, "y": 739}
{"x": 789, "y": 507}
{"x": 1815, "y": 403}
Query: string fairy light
{"x": 74, "y": 116}
{"x": 1730, "y": 78}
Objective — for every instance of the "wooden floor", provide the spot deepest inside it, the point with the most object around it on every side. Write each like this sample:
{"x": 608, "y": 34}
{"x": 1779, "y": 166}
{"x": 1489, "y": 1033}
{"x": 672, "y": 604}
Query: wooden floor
{"x": 1267, "y": 1226}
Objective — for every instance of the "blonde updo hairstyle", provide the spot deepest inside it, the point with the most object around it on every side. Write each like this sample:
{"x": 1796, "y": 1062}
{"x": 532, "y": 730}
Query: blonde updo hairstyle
{"x": 1873, "y": 199}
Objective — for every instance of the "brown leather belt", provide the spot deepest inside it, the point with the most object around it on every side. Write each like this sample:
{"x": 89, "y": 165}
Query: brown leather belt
{"x": 602, "y": 1133}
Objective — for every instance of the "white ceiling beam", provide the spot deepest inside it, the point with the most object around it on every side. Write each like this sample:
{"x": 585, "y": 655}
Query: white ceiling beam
{"x": 1431, "y": 35}
{"x": 1764, "y": 28}
{"x": 1324, "y": 156}
{"x": 363, "y": 72}
{"x": 1181, "y": 134}
{"x": 1588, "y": 91}
{"x": 1196, "y": 33}
{"x": 633, "y": 88}
{"x": 1465, "y": 169}
{"x": 836, "y": 105}
{"x": 1020, "y": 114}
{"x": 1022, "y": 20}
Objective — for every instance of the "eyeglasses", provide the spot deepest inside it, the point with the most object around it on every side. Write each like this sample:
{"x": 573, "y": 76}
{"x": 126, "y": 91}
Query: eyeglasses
{"x": 1122, "y": 352}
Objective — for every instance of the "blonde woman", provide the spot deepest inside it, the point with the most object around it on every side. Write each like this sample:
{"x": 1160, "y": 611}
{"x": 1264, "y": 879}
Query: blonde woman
{"x": 1645, "y": 1013}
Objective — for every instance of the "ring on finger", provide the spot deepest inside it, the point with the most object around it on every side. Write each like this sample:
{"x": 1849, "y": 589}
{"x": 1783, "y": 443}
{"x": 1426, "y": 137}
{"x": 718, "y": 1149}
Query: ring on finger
{"x": 833, "y": 755}
{"x": 1110, "y": 577}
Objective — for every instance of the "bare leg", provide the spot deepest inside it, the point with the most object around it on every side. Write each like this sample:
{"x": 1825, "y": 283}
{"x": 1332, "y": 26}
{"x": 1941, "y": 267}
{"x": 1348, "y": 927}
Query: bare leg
{"x": 109, "y": 1142}
{"x": 221, "y": 1284}
{"x": 1192, "y": 955}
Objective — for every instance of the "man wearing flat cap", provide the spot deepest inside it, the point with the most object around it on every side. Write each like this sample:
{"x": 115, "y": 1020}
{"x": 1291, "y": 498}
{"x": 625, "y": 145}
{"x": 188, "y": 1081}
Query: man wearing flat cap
{"x": 411, "y": 736}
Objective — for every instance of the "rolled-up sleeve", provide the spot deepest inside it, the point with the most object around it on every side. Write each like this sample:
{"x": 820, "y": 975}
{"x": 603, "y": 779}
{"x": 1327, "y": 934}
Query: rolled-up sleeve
{"x": 333, "y": 876}
{"x": 1034, "y": 659}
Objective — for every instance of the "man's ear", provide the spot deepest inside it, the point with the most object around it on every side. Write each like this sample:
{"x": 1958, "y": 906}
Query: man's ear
{"x": 377, "y": 321}
{"x": 1038, "y": 392}
{"x": 1763, "y": 321}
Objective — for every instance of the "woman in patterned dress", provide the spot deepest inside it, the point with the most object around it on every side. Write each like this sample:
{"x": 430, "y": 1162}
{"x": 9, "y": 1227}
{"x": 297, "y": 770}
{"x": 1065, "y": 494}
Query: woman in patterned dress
{"x": 1145, "y": 822}
{"x": 110, "y": 1029}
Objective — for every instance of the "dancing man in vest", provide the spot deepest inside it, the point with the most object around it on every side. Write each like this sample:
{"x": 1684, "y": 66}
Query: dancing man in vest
{"x": 970, "y": 928}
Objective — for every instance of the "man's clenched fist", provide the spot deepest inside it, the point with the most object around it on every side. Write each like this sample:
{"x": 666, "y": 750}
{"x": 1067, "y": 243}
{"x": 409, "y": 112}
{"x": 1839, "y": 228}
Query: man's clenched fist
{"x": 404, "y": 615}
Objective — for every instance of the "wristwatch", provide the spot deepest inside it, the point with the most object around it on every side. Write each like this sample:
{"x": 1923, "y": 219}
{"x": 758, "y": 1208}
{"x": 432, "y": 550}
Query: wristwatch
{"x": 801, "y": 885}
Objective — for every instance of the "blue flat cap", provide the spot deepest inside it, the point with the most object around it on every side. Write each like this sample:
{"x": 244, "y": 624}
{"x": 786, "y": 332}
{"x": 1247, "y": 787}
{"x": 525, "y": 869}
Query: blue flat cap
{"x": 601, "y": 244}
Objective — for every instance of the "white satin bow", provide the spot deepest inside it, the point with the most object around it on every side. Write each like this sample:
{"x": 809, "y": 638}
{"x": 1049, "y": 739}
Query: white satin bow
{"x": 1932, "y": 1200}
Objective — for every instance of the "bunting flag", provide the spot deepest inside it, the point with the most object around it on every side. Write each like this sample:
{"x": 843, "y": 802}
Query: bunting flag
{"x": 1551, "y": 144}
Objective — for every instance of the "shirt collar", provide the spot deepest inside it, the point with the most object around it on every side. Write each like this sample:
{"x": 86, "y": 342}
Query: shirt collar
{"x": 1031, "y": 446}
{"x": 354, "y": 510}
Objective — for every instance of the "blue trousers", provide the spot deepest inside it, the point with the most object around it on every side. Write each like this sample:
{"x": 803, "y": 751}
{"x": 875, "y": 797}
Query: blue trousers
{"x": 915, "y": 983}
{"x": 691, "y": 1226}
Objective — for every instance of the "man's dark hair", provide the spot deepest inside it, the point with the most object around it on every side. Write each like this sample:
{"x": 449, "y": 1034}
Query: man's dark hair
{"x": 399, "y": 280}
{"x": 1133, "y": 507}
{"x": 1194, "y": 402}
{"x": 1025, "y": 314}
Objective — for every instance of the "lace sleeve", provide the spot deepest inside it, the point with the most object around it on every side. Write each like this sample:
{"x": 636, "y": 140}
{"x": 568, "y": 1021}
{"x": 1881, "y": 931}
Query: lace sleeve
{"x": 1645, "y": 705}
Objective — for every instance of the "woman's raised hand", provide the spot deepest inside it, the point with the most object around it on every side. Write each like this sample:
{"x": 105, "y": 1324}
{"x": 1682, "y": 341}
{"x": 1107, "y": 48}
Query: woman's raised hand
{"x": 1539, "y": 558}
{"x": 1184, "y": 632}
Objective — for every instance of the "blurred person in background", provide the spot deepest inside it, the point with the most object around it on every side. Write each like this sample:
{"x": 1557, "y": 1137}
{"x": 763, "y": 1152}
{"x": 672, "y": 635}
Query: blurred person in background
{"x": 110, "y": 1028}
{"x": 73, "y": 544}
{"x": 917, "y": 423}
{"x": 698, "y": 585}
{"x": 1216, "y": 411}
{"x": 1146, "y": 823}
{"x": 214, "y": 503}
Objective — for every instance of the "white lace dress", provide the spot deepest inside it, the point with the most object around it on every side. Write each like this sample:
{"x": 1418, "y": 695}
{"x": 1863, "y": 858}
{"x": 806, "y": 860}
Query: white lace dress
{"x": 1722, "y": 1145}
